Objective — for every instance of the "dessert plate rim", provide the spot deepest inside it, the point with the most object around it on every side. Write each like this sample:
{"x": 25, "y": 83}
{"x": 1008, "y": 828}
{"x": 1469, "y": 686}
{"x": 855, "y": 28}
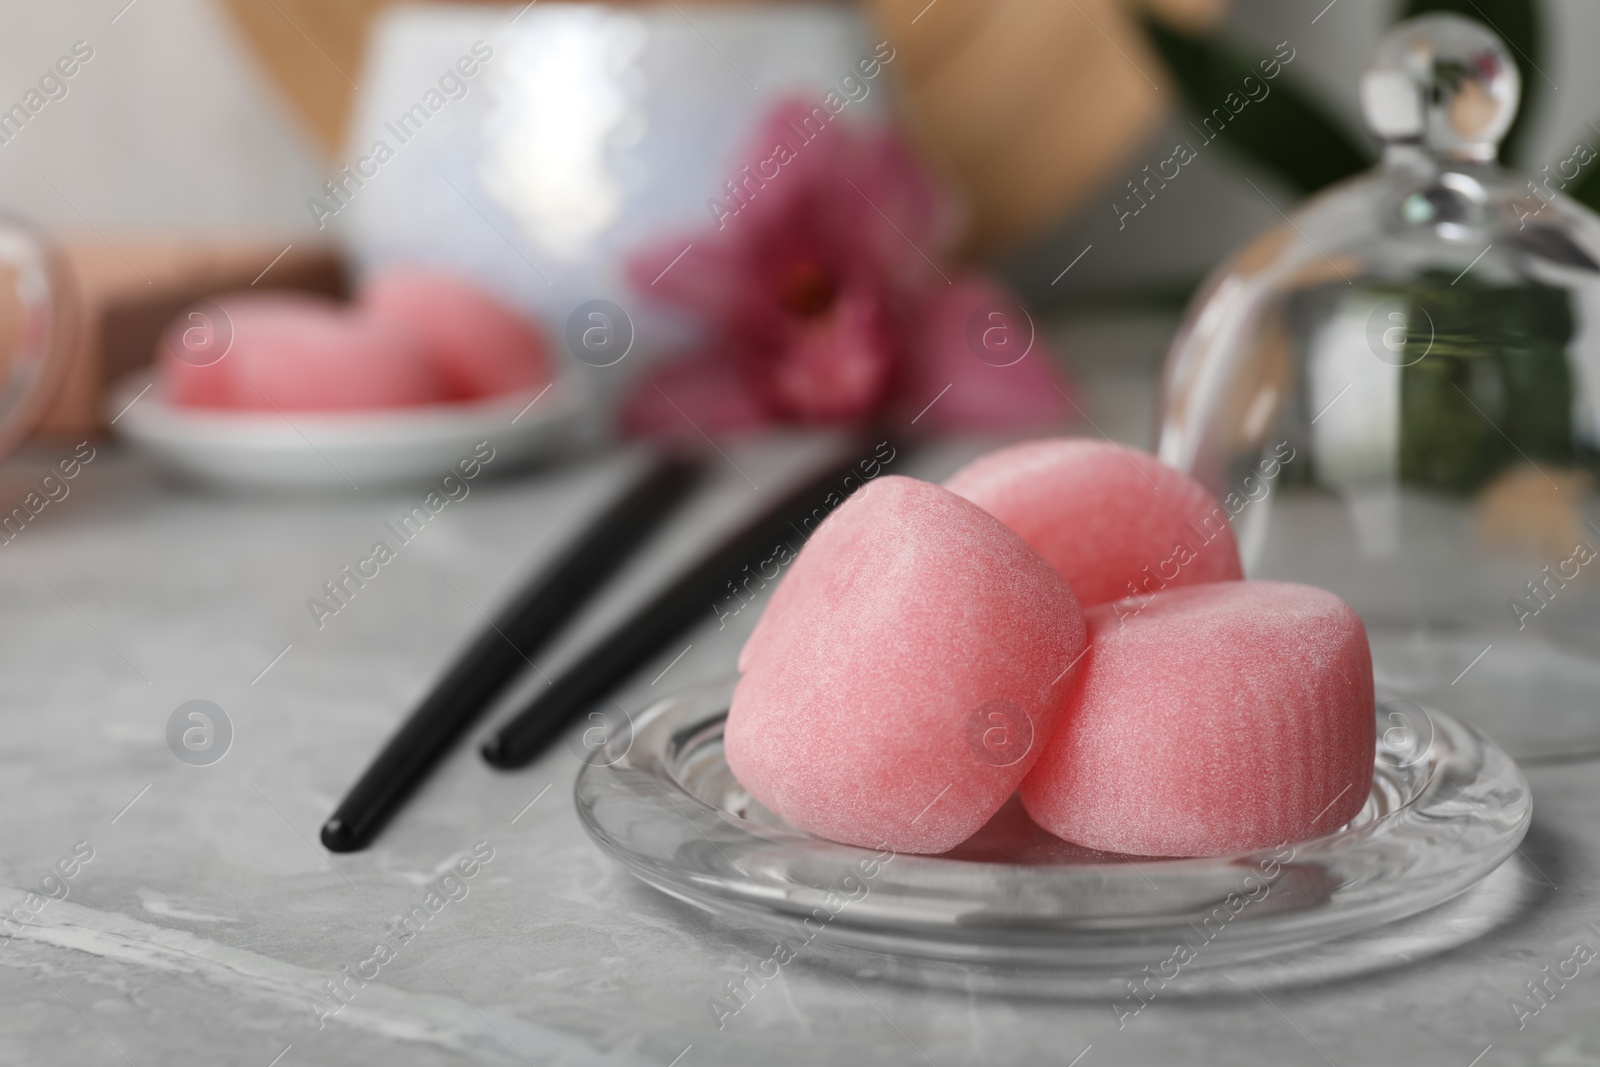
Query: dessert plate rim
{"x": 1447, "y": 808}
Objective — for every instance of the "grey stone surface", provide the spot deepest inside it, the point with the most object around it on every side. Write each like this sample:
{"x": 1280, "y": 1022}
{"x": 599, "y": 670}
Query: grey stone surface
{"x": 208, "y": 920}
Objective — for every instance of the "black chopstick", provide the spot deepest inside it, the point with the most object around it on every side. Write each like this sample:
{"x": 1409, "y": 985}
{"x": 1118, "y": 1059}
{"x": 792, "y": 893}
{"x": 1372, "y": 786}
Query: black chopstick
{"x": 501, "y": 651}
{"x": 687, "y": 600}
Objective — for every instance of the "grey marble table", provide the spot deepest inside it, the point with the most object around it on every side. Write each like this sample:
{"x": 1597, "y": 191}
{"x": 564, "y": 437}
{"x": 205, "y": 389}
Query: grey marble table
{"x": 206, "y": 922}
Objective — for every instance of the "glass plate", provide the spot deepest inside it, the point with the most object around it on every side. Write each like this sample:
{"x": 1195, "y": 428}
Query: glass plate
{"x": 1447, "y": 807}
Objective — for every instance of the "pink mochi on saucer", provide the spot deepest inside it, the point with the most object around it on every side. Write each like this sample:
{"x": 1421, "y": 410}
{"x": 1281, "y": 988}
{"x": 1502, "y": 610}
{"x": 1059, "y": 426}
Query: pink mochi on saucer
{"x": 1211, "y": 720}
{"x": 480, "y": 346}
{"x": 906, "y": 673}
{"x": 292, "y": 352}
{"x": 1113, "y": 520}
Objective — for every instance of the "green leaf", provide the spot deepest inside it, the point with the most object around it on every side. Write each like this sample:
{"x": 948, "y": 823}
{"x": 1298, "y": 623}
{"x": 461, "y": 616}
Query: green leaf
{"x": 1520, "y": 24}
{"x": 1586, "y": 190}
{"x": 1485, "y": 380}
{"x": 1287, "y": 130}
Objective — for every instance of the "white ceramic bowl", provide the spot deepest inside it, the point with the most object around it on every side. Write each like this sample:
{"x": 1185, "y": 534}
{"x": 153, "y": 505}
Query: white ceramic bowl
{"x": 340, "y": 450}
{"x": 583, "y": 132}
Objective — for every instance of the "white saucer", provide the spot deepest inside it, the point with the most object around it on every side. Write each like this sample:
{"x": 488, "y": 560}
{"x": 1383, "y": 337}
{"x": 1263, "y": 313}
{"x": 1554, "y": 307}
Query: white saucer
{"x": 330, "y": 450}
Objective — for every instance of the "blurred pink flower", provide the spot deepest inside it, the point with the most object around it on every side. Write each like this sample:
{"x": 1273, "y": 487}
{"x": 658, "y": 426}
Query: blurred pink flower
{"x": 822, "y": 300}
{"x": 1016, "y": 384}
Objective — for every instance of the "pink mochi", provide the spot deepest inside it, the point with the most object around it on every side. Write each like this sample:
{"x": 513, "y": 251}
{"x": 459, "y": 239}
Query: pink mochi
{"x": 189, "y": 380}
{"x": 1211, "y": 720}
{"x": 480, "y": 346}
{"x": 301, "y": 353}
{"x": 905, "y": 674}
{"x": 1113, "y": 520}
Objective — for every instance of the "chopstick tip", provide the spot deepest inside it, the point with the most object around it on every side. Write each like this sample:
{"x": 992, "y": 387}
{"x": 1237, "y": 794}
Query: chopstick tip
{"x": 339, "y": 836}
{"x": 497, "y": 753}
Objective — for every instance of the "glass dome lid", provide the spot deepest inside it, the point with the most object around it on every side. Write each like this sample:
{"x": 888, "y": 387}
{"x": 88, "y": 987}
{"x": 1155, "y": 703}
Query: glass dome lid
{"x": 1396, "y": 394}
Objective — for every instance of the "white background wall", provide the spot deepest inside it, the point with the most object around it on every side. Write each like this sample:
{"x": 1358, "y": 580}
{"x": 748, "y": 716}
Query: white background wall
{"x": 170, "y": 125}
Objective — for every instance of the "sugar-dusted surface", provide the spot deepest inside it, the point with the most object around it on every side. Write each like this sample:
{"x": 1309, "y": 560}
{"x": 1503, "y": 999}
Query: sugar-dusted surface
{"x": 298, "y": 353}
{"x": 905, "y": 674}
{"x": 1112, "y": 519}
{"x": 479, "y": 346}
{"x": 1212, "y": 719}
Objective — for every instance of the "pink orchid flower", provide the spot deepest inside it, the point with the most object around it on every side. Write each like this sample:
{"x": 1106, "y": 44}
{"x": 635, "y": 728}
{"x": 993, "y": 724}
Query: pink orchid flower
{"x": 822, "y": 299}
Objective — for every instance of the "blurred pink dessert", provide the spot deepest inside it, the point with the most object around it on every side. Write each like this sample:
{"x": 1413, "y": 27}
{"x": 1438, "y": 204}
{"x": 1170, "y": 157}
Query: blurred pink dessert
{"x": 294, "y": 353}
{"x": 416, "y": 337}
{"x": 480, "y": 346}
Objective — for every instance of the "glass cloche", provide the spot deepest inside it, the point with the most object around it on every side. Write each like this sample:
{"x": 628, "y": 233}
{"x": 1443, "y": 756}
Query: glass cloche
{"x": 1396, "y": 395}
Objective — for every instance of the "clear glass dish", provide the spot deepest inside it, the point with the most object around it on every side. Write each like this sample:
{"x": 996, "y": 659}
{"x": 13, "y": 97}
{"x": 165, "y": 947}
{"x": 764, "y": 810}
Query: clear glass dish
{"x": 39, "y": 307}
{"x": 1446, "y": 808}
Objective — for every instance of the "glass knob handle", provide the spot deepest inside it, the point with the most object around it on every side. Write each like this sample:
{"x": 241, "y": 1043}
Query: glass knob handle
{"x": 1443, "y": 82}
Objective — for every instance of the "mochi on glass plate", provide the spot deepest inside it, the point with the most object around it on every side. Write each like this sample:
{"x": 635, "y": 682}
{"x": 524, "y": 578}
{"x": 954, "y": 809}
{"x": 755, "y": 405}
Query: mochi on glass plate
{"x": 1033, "y": 730}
